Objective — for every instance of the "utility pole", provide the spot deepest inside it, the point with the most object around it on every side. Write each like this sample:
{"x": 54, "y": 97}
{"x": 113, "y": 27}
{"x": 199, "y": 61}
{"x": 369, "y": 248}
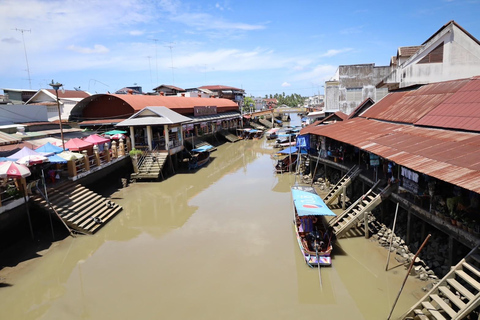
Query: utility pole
{"x": 26, "y": 58}
{"x": 171, "y": 56}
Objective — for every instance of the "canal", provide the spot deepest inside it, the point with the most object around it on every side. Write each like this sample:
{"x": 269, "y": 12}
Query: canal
{"x": 217, "y": 243}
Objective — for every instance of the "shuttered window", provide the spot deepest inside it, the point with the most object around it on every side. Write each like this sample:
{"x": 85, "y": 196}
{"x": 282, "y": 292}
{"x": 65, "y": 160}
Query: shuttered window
{"x": 435, "y": 56}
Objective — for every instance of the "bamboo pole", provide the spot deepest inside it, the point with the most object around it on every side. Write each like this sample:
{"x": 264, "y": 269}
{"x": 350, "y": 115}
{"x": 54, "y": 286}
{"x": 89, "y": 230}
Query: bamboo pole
{"x": 408, "y": 272}
{"x": 391, "y": 237}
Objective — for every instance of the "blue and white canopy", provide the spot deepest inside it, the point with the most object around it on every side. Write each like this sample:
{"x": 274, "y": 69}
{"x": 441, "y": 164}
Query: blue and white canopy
{"x": 202, "y": 148}
{"x": 309, "y": 204}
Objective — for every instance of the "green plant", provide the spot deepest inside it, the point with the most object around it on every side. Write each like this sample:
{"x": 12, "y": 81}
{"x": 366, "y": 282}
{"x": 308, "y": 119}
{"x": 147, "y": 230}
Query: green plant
{"x": 13, "y": 192}
{"x": 135, "y": 152}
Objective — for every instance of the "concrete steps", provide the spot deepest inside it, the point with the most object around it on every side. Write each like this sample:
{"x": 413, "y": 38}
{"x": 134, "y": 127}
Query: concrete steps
{"x": 80, "y": 208}
{"x": 151, "y": 167}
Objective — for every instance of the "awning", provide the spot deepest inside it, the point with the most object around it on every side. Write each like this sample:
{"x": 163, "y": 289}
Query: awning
{"x": 215, "y": 117}
{"x": 309, "y": 204}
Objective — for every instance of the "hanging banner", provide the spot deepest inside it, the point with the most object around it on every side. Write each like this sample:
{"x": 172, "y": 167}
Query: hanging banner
{"x": 189, "y": 126}
{"x": 302, "y": 141}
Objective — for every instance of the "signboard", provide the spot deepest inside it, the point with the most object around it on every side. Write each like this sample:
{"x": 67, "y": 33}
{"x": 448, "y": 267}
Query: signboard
{"x": 203, "y": 125}
{"x": 204, "y": 111}
{"x": 374, "y": 160}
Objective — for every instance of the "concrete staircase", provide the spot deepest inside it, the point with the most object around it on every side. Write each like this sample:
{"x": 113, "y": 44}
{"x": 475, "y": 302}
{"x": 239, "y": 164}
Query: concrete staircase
{"x": 81, "y": 209}
{"x": 229, "y": 136}
{"x": 150, "y": 166}
{"x": 455, "y": 296}
{"x": 345, "y": 181}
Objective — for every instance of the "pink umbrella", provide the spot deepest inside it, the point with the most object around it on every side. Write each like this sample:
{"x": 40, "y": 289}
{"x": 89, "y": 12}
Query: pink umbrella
{"x": 10, "y": 169}
{"x": 76, "y": 144}
{"x": 32, "y": 159}
{"x": 96, "y": 139}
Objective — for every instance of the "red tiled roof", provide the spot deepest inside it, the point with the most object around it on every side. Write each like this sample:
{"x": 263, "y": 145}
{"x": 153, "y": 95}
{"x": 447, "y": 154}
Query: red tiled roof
{"x": 451, "y": 156}
{"x": 69, "y": 94}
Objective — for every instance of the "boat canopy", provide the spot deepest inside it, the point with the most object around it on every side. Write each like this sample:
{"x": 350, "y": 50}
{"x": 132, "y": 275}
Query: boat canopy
{"x": 310, "y": 204}
{"x": 202, "y": 148}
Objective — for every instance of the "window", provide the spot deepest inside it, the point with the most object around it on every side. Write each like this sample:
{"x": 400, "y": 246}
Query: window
{"x": 435, "y": 56}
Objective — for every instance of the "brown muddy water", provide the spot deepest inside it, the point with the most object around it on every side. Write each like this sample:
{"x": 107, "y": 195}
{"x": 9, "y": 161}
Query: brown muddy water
{"x": 214, "y": 244}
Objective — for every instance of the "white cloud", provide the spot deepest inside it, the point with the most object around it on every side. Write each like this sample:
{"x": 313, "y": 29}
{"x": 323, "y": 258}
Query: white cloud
{"x": 137, "y": 33}
{"x": 334, "y": 52}
{"x": 286, "y": 84}
{"x": 98, "y": 48}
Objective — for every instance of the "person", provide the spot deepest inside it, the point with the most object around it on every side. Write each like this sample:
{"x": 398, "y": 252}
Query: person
{"x": 328, "y": 237}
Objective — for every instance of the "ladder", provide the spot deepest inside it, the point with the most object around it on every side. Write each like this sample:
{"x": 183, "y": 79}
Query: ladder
{"x": 455, "y": 296}
{"x": 348, "y": 218}
{"x": 345, "y": 181}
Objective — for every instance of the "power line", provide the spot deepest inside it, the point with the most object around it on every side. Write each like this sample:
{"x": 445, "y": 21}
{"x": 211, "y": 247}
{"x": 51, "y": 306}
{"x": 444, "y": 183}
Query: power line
{"x": 25, "y": 49}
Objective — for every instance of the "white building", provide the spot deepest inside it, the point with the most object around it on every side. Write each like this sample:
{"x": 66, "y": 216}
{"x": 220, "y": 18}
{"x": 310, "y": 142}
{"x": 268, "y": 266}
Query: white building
{"x": 67, "y": 100}
{"x": 449, "y": 54}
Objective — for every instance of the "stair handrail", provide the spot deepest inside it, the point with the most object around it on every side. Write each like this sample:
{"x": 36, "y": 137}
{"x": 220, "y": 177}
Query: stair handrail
{"x": 53, "y": 209}
{"x": 346, "y": 174}
{"x": 334, "y": 220}
{"x": 435, "y": 287}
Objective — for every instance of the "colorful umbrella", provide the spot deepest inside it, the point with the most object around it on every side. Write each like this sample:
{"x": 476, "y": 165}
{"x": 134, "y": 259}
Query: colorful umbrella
{"x": 96, "y": 139}
{"x": 10, "y": 169}
{"x": 76, "y": 144}
{"x": 23, "y": 152}
{"x": 68, "y": 155}
{"x": 49, "y": 148}
{"x": 112, "y": 132}
{"x": 32, "y": 159}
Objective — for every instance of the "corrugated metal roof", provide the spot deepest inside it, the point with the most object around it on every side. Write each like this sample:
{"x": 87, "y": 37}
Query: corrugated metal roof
{"x": 460, "y": 110}
{"x": 451, "y": 156}
{"x": 213, "y": 117}
{"x": 450, "y": 104}
{"x": 6, "y": 138}
{"x": 138, "y": 102}
{"x": 154, "y": 116}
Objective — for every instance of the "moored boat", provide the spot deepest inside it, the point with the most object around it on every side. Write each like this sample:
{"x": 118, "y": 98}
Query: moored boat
{"x": 314, "y": 237}
{"x": 200, "y": 156}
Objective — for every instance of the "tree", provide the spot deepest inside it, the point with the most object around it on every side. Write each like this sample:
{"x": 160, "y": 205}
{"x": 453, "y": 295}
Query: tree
{"x": 248, "y": 104}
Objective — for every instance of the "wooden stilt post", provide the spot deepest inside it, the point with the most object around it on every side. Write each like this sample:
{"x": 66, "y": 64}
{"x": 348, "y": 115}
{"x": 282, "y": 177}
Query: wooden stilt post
{"x": 391, "y": 237}
{"x": 365, "y": 221}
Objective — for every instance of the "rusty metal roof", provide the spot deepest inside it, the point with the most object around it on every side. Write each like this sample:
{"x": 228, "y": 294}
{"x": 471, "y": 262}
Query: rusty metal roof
{"x": 450, "y": 104}
{"x": 138, "y": 102}
{"x": 459, "y": 111}
{"x": 451, "y": 156}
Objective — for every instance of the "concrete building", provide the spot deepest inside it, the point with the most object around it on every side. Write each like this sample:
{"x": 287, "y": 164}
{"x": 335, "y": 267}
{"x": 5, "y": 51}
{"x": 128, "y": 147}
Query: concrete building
{"x": 450, "y": 53}
{"x": 352, "y": 84}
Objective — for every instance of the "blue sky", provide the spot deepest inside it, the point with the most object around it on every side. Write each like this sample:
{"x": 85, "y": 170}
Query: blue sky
{"x": 261, "y": 46}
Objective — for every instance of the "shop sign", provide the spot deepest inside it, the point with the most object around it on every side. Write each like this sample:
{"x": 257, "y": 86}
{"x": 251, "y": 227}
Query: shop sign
{"x": 204, "y": 111}
{"x": 374, "y": 160}
{"x": 203, "y": 124}
{"x": 189, "y": 126}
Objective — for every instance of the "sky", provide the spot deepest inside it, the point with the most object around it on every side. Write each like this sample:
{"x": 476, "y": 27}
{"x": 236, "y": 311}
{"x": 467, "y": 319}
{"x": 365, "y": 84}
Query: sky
{"x": 262, "y": 46}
